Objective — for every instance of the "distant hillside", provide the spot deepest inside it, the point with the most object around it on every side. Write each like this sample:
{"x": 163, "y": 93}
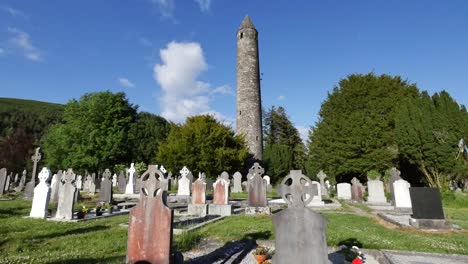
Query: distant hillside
{"x": 22, "y": 124}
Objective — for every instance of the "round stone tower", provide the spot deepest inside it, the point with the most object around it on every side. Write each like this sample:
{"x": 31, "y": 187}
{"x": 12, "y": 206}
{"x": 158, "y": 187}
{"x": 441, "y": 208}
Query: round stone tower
{"x": 249, "y": 106}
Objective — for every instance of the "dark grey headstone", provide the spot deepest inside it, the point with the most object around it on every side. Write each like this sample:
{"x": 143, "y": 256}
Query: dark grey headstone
{"x": 300, "y": 233}
{"x": 426, "y": 203}
{"x": 105, "y": 194}
{"x": 3, "y": 179}
{"x": 121, "y": 182}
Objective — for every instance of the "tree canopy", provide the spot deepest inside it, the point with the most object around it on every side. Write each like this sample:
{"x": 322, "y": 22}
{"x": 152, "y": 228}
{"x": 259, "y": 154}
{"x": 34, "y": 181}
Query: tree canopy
{"x": 203, "y": 145}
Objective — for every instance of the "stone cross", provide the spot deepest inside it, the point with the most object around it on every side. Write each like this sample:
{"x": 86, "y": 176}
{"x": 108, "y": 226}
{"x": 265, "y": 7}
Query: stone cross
{"x": 150, "y": 225}
{"x": 257, "y": 187}
{"x": 184, "y": 183}
{"x": 41, "y": 196}
{"x": 3, "y": 176}
{"x": 67, "y": 192}
{"x": 300, "y": 233}
{"x": 130, "y": 188}
{"x": 321, "y": 175}
{"x": 29, "y": 192}
{"x": 256, "y": 169}
{"x": 105, "y": 194}
{"x": 237, "y": 177}
{"x": 184, "y": 172}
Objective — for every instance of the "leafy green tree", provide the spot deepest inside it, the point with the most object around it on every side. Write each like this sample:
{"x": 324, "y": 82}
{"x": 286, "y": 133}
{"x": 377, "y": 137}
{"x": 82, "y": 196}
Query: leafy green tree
{"x": 93, "y": 135}
{"x": 203, "y": 145}
{"x": 146, "y": 134}
{"x": 284, "y": 149}
{"x": 428, "y": 131}
{"x": 355, "y": 130}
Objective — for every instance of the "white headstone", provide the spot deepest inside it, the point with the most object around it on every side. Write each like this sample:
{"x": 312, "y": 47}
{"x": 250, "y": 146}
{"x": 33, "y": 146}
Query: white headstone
{"x": 267, "y": 179}
{"x": 41, "y": 195}
{"x": 344, "y": 191}
{"x": 225, "y": 175}
{"x": 402, "y": 194}
{"x": 316, "y": 194}
{"x": 130, "y": 188}
{"x": 184, "y": 183}
{"x": 376, "y": 192}
{"x": 237, "y": 188}
{"x": 79, "y": 182}
{"x": 114, "y": 180}
{"x": 54, "y": 185}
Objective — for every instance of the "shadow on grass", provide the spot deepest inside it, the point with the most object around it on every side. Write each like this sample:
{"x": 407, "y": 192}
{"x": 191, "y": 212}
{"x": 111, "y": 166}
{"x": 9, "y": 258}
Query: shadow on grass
{"x": 232, "y": 252}
{"x": 350, "y": 242}
{"x": 74, "y": 232}
{"x": 11, "y": 211}
{"x": 117, "y": 259}
{"x": 263, "y": 235}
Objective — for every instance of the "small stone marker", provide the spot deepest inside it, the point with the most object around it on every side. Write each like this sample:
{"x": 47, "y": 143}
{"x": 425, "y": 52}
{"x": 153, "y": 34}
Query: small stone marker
{"x": 321, "y": 175}
{"x": 344, "y": 191}
{"x": 402, "y": 194}
{"x": 184, "y": 183}
{"x": 376, "y": 192}
{"x": 150, "y": 225}
{"x": 114, "y": 180}
{"x": 198, "y": 205}
{"x": 257, "y": 192}
{"x": 122, "y": 182}
{"x": 225, "y": 175}
{"x": 237, "y": 177}
{"x": 66, "y": 196}
{"x": 79, "y": 182}
{"x": 220, "y": 205}
{"x": 356, "y": 190}
{"x": 3, "y": 176}
{"x": 41, "y": 196}
{"x": 130, "y": 188}
{"x": 105, "y": 194}
{"x": 29, "y": 191}
{"x": 300, "y": 233}
{"x": 394, "y": 176}
{"x": 22, "y": 182}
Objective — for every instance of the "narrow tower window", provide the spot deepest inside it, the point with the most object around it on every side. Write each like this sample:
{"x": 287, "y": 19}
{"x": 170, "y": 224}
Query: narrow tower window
{"x": 240, "y": 112}
{"x": 256, "y": 138}
{"x": 241, "y": 35}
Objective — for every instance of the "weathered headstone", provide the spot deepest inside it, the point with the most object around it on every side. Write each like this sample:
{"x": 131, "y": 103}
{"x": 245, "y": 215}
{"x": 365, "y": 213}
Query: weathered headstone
{"x": 394, "y": 176}
{"x": 266, "y": 178}
{"x": 3, "y": 178}
{"x": 66, "y": 196}
{"x": 402, "y": 194}
{"x": 198, "y": 205}
{"x": 316, "y": 195}
{"x": 220, "y": 205}
{"x": 114, "y": 180}
{"x": 97, "y": 182}
{"x": 428, "y": 212}
{"x": 130, "y": 188}
{"x": 300, "y": 233}
{"x": 29, "y": 190}
{"x": 7, "y": 183}
{"x": 16, "y": 178}
{"x": 55, "y": 185}
{"x": 41, "y": 196}
{"x": 237, "y": 178}
{"x": 321, "y": 175}
{"x": 257, "y": 192}
{"x": 163, "y": 181}
{"x": 225, "y": 175}
{"x": 105, "y": 194}
{"x": 150, "y": 226}
{"x": 79, "y": 182}
{"x": 183, "y": 183}
{"x": 344, "y": 191}
{"x": 376, "y": 192}
{"x": 22, "y": 182}
{"x": 122, "y": 182}
{"x": 356, "y": 190}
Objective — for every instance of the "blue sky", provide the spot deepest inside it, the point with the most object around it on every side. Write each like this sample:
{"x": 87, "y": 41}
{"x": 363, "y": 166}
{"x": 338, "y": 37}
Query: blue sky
{"x": 178, "y": 57}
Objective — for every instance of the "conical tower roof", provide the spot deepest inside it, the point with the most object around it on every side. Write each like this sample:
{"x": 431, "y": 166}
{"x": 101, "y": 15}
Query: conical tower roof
{"x": 247, "y": 23}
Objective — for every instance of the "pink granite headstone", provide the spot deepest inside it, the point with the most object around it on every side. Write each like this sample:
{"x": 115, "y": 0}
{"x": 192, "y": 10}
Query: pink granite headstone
{"x": 198, "y": 192}
{"x": 220, "y": 193}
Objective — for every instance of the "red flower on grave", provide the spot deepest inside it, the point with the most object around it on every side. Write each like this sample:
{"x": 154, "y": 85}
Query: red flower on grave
{"x": 357, "y": 261}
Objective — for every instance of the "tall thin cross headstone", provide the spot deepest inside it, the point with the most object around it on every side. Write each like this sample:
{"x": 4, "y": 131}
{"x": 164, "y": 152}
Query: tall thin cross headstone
{"x": 321, "y": 175}
{"x": 300, "y": 233}
{"x": 41, "y": 195}
{"x": 105, "y": 194}
{"x": 150, "y": 226}
{"x": 66, "y": 196}
{"x": 130, "y": 188}
{"x": 29, "y": 191}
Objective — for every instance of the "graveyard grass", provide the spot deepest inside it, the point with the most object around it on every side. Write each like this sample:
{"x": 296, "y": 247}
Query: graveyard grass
{"x": 24, "y": 240}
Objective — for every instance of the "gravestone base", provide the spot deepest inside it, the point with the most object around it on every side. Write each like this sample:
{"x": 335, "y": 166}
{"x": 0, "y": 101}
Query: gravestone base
{"x": 316, "y": 203}
{"x": 404, "y": 210}
{"x": 430, "y": 223}
{"x": 198, "y": 209}
{"x": 220, "y": 209}
{"x": 258, "y": 210}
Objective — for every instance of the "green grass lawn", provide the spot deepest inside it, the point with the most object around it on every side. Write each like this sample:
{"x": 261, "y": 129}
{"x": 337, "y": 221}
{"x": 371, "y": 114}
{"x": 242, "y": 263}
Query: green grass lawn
{"x": 24, "y": 240}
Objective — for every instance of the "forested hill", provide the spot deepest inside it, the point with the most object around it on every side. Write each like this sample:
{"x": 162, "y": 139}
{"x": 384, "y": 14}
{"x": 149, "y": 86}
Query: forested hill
{"x": 22, "y": 124}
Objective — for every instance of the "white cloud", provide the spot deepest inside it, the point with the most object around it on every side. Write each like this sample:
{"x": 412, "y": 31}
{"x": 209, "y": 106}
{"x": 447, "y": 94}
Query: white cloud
{"x": 13, "y": 12}
{"x": 183, "y": 94}
{"x": 280, "y": 97}
{"x": 303, "y": 133}
{"x": 165, "y": 7}
{"x": 21, "y": 41}
{"x": 223, "y": 89}
{"x": 204, "y": 5}
{"x": 125, "y": 82}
